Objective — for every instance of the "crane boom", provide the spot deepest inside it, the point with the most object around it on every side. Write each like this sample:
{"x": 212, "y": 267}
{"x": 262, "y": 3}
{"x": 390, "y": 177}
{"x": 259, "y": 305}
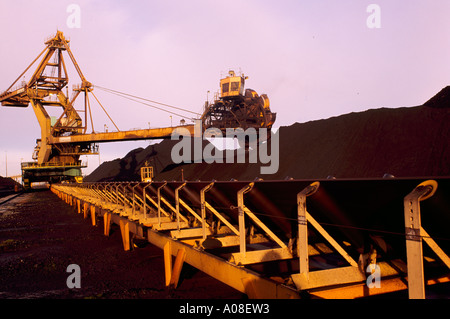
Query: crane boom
{"x": 133, "y": 135}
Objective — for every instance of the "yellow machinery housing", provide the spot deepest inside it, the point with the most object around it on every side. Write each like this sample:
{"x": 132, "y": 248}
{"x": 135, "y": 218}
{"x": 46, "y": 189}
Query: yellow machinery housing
{"x": 147, "y": 173}
{"x": 238, "y": 107}
{"x": 232, "y": 85}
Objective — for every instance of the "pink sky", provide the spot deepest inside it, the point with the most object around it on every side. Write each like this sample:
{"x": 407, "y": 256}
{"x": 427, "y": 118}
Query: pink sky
{"x": 314, "y": 59}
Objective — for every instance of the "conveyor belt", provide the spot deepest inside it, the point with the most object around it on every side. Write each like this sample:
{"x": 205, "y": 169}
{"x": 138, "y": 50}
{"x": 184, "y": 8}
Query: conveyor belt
{"x": 251, "y": 223}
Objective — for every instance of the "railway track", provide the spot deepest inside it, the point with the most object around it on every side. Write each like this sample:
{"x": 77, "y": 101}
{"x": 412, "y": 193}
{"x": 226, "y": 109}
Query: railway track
{"x": 7, "y": 197}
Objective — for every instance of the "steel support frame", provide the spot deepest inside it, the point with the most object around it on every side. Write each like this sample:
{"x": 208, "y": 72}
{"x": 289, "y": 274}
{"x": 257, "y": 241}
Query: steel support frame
{"x": 244, "y": 256}
{"x": 415, "y": 233}
{"x": 348, "y": 282}
{"x": 239, "y": 278}
{"x": 305, "y": 279}
{"x": 320, "y": 283}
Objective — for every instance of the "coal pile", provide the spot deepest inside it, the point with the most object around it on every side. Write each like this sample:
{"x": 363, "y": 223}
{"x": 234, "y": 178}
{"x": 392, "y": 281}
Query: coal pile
{"x": 440, "y": 100}
{"x": 128, "y": 168}
{"x": 403, "y": 142}
{"x": 8, "y": 186}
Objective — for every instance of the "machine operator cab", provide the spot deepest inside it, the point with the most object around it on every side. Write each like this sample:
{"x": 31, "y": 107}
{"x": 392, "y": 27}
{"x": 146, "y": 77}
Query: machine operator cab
{"x": 232, "y": 85}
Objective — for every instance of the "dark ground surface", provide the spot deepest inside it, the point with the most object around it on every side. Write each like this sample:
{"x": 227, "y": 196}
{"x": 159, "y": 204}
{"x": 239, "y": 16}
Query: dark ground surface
{"x": 40, "y": 236}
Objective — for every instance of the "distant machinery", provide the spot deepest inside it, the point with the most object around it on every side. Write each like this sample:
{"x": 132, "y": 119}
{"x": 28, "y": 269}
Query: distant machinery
{"x": 236, "y": 107}
{"x": 63, "y": 139}
{"x": 45, "y": 89}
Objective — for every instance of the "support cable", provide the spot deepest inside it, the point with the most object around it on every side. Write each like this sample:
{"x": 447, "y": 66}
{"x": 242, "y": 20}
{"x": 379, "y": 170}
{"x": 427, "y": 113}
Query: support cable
{"x": 105, "y": 111}
{"x": 138, "y": 100}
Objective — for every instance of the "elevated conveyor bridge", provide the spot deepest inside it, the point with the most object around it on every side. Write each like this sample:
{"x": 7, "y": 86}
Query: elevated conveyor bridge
{"x": 285, "y": 239}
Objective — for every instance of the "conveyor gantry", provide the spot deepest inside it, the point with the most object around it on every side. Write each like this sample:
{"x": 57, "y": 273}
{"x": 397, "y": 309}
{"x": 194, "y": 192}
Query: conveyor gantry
{"x": 282, "y": 239}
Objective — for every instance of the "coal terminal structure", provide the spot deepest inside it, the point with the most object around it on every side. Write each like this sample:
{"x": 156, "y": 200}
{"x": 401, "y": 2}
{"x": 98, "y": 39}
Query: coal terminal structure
{"x": 358, "y": 206}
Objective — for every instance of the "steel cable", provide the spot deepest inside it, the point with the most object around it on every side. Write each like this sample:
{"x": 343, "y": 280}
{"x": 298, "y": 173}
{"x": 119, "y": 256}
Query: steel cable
{"x": 138, "y": 100}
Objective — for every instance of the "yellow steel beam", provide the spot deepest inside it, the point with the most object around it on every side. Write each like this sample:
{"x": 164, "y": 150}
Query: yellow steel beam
{"x": 93, "y": 219}
{"x": 360, "y": 290}
{"x": 435, "y": 247}
{"x": 178, "y": 265}
{"x": 232, "y": 275}
{"x": 167, "y": 262}
{"x": 145, "y": 134}
{"x": 414, "y": 251}
{"x": 125, "y": 231}
{"x": 107, "y": 223}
